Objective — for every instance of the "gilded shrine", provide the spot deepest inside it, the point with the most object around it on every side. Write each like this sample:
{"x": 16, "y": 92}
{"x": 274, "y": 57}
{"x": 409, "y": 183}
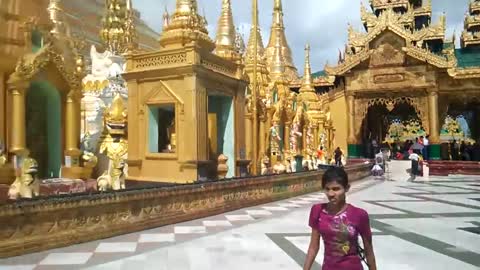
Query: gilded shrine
{"x": 187, "y": 101}
{"x": 403, "y": 66}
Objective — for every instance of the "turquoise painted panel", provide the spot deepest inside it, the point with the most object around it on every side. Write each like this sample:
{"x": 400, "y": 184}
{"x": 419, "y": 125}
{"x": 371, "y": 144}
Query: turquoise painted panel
{"x": 153, "y": 129}
{"x": 223, "y": 107}
{"x": 228, "y": 139}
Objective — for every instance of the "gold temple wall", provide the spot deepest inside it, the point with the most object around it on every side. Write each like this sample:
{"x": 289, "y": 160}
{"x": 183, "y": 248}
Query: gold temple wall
{"x": 3, "y": 109}
{"x": 338, "y": 114}
{"x": 165, "y": 167}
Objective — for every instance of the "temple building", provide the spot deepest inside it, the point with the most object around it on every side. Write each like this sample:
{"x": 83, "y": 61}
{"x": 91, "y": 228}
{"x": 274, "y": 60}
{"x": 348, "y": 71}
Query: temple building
{"x": 33, "y": 35}
{"x": 401, "y": 79}
{"x": 186, "y": 100}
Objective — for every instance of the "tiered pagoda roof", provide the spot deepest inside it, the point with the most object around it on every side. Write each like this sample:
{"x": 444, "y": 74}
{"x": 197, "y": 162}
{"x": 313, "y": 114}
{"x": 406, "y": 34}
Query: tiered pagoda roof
{"x": 471, "y": 33}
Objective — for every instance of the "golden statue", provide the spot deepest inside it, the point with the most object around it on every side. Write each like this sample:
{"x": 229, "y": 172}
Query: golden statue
{"x": 114, "y": 178}
{"x": 27, "y": 184}
{"x": 275, "y": 139}
{"x": 115, "y": 146}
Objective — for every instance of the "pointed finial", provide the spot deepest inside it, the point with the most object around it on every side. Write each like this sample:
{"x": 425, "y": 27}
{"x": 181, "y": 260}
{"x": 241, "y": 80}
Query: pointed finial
{"x": 307, "y": 84}
{"x": 56, "y": 15}
{"x": 225, "y": 40}
{"x": 255, "y": 40}
{"x": 239, "y": 42}
{"x": 130, "y": 37}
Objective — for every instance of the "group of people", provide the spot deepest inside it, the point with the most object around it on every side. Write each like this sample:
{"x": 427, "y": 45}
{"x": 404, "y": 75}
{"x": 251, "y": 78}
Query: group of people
{"x": 460, "y": 150}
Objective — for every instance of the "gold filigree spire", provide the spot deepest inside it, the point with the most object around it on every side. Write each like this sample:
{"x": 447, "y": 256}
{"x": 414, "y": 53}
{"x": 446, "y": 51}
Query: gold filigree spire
{"x": 186, "y": 26}
{"x": 56, "y": 14}
{"x": 117, "y": 19}
{"x": 130, "y": 30}
{"x": 279, "y": 40}
{"x": 307, "y": 84}
{"x": 250, "y": 54}
{"x": 225, "y": 41}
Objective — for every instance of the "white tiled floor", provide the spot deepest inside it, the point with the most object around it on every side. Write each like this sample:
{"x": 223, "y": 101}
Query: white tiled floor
{"x": 189, "y": 229}
{"x": 66, "y": 258}
{"x": 242, "y": 239}
{"x": 116, "y": 247}
{"x": 157, "y": 238}
{"x": 248, "y": 247}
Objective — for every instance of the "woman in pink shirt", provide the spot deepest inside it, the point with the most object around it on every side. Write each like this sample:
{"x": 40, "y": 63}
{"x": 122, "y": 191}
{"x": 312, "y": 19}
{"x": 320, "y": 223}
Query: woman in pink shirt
{"x": 339, "y": 224}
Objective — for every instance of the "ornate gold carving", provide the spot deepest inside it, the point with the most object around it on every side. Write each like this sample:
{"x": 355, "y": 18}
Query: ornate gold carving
{"x": 389, "y": 78}
{"x": 26, "y": 185}
{"x": 160, "y": 60}
{"x": 218, "y": 68}
{"x": 114, "y": 146}
{"x": 387, "y": 55}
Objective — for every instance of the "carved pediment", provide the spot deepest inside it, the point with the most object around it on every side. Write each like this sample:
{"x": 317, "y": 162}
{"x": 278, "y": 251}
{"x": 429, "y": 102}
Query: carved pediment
{"x": 161, "y": 93}
{"x": 387, "y": 55}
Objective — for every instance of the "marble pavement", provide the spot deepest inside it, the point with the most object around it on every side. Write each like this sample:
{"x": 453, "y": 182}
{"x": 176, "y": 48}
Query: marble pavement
{"x": 433, "y": 223}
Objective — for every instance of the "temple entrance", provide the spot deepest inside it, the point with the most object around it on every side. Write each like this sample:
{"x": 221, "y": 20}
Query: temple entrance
{"x": 392, "y": 124}
{"x": 467, "y": 115}
{"x": 43, "y": 128}
{"x": 221, "y": 130}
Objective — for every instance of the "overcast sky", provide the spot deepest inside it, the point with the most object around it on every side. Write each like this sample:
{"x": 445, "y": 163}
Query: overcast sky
{"x": 321, "y": 23}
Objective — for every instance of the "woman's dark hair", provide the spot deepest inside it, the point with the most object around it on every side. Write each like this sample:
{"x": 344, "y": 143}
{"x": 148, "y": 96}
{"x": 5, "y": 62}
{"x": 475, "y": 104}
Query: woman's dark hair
{"x": 336, "y": 174}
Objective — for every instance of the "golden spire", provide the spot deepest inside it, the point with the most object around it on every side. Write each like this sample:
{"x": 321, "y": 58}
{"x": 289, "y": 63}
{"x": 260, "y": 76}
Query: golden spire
{"x": 113, "y": 33}
{"x": 255, "y": 40}
{"x": 307, "y": 84}
{"x": 307, "y": 94}
{"x": 186, "y": 26}
{"x": 130, "y": 31}
{"x": 56, "y": 14}
{"x": 278, "y": 40}
{"x": 276, "y": 64}
{"x": 226, "y": 36}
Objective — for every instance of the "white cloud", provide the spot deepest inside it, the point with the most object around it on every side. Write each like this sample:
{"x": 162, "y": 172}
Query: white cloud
{"x": 321, "y": 23}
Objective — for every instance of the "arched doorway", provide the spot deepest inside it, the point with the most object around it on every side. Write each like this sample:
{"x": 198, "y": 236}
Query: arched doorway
{"x": 378, "y": 120}
{"x": 43, "y": 127}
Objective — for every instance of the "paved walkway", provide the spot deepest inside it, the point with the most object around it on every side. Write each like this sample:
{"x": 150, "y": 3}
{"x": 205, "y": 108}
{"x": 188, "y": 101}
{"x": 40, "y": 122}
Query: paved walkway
{"x": 430, "y": 224}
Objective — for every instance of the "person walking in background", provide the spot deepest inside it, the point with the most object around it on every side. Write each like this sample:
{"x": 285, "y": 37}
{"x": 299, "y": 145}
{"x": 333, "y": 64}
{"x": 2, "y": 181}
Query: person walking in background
{"x": 338, "y": 157}
{"x": 426, "y": 149}
{"x": 340, "y": 225}
{"x": 414, "y": 157}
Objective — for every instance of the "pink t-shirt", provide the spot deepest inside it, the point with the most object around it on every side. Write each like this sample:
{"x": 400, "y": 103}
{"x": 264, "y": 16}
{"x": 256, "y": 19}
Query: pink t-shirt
{"x": 340, "y": 235}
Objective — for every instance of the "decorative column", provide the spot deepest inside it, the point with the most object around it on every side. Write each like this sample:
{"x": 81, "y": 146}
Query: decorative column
{"x": 3, "y": 111}
{"x": 315, "y": 137}
{"x": 17, "y": 129}
{"x": 249, "y": 136}
{"x": 434, "y": 147}
{"x": 72, "y": 130}
{"x": 286, "y": 138}
{"x": 353, "y": 147}
{"x": 262, "y": 146}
